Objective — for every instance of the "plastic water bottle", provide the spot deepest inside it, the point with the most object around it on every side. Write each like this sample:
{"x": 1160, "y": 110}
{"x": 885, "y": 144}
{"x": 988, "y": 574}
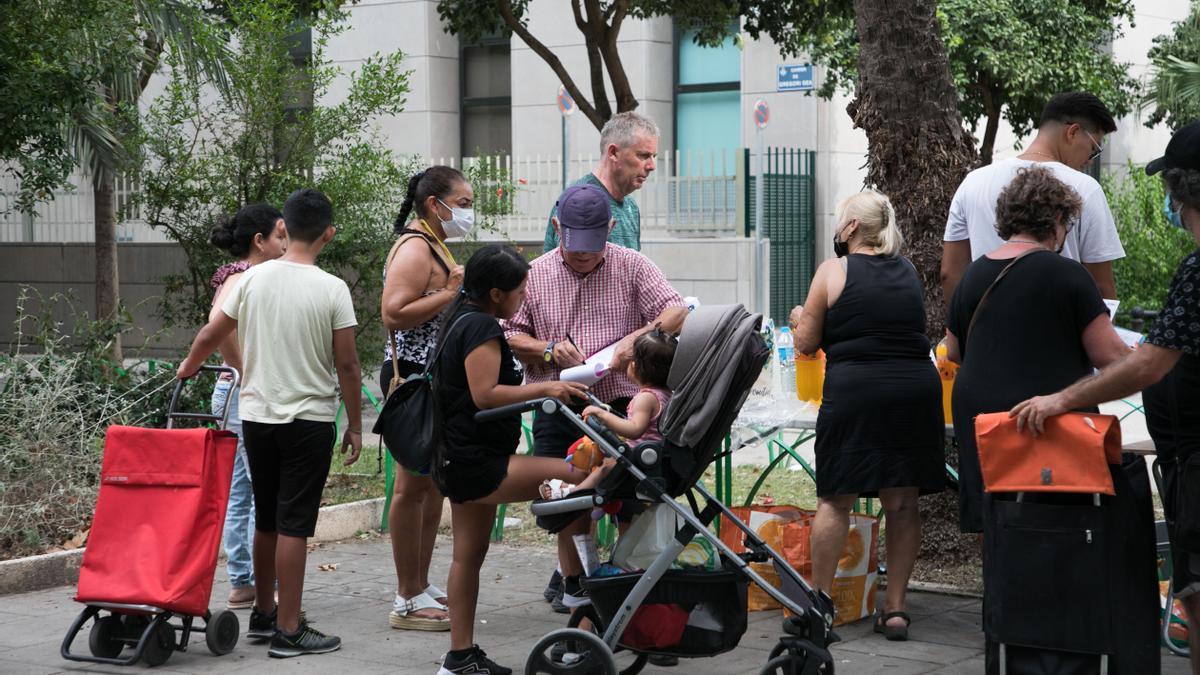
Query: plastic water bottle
{"x": 787, "y": 361}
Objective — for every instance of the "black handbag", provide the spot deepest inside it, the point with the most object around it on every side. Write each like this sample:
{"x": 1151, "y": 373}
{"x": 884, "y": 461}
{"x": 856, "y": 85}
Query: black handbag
{"x": 408, "y": 424}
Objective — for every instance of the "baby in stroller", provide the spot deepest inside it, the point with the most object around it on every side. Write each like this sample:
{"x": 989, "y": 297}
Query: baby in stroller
{"x": 649, "y": 368}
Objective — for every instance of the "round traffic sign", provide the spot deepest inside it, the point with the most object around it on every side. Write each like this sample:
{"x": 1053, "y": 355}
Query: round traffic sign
{"x": 762, "y": 114}
{"x": 566, "y": 104}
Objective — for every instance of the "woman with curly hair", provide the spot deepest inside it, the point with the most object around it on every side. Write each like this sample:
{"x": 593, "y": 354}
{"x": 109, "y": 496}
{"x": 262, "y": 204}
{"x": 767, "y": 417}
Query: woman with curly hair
{"x": 1023, "y": 322}
{"x": 1044, "y": 325}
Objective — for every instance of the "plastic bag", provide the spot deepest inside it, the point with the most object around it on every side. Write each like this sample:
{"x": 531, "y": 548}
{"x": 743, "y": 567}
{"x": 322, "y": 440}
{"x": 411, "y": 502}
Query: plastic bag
{"x": 648, "y": 536}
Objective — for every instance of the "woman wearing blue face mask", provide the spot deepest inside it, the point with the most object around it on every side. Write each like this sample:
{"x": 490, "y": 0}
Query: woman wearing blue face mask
{"x": 421, "y": 279}
{"x": 1166, "y": 368}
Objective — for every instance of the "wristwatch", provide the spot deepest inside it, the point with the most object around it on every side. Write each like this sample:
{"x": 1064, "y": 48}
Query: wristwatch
{"x": 548, "y": 355}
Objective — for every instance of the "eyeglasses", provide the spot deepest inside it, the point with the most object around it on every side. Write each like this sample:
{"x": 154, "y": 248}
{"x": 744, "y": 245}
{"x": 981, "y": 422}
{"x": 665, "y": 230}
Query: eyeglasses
{"x": 1099, "y": 148}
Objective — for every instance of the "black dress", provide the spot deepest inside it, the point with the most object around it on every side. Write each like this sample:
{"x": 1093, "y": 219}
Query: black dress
{"x": 473, "y": 458}
{"x": 1027, "y": 342}
{"x": 880, "y": 424}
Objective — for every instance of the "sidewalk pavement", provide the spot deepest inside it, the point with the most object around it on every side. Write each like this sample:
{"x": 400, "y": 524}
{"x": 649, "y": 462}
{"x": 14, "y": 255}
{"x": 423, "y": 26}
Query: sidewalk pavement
{"x": 353, "y": 601}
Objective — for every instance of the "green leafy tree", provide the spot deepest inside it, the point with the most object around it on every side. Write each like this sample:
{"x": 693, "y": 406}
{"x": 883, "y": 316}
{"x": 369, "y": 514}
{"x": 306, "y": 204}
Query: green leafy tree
{"x": 1173, "y": 94}
{"x": 281, "y": 129}
{"x": 1007, "y": 57}
{"x": 1153, "y": 249}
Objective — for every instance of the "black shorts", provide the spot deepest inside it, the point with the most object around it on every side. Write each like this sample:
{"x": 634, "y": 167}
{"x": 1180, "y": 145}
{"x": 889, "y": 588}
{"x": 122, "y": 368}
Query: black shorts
{"x": 475, "y": 476}
{"x": 288, "y": 467}
{"x": 553, "y": 435}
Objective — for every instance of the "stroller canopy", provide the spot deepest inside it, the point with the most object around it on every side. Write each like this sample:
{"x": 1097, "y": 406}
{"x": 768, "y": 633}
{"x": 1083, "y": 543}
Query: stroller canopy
{"x": 720, "y": 355}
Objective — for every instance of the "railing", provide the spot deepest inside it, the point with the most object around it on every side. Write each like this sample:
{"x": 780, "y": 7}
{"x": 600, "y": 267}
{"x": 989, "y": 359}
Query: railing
{"x": 70, "y": 216}
{"x": 689, "y": 194}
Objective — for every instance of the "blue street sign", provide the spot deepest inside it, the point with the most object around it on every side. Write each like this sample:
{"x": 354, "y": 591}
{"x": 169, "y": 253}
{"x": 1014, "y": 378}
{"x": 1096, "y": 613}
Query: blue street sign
{"x": 794, "y": 77}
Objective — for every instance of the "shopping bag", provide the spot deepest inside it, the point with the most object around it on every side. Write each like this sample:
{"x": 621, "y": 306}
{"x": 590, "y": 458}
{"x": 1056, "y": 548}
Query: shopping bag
{"x": 856, "y": 580}
{"x": 1072, "y": 455}
{"x": 1177, "y": 631}
{"x": 649, "y": 535}
{"x": 787, "y": 530}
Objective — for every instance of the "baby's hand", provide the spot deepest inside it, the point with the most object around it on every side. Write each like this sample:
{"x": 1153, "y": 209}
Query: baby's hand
{"x": 591, "y": 410}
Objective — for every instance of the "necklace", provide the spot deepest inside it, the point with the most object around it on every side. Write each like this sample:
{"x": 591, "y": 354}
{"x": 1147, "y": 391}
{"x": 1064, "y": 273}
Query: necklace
{"x": 1043, "y": 154}
{"x": 1024, "y": 241}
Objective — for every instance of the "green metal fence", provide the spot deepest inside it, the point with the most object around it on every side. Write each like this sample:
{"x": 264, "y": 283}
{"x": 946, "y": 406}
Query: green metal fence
{"x": 789, "y": 221}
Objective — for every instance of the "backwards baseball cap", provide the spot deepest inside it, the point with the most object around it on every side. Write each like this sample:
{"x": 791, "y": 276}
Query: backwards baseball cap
{"x": 1183, "y": 151}
{"x": 584, "y": 215}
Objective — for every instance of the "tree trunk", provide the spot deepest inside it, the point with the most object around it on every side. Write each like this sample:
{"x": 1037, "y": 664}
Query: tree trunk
{"x": 991, "y": 126}
{"x": 918, "y": 153}
{"x": 107, "y": 281}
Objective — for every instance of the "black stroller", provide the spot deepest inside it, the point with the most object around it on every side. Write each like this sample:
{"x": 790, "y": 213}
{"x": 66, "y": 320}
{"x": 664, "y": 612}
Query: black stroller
{"x": 720, "y": 355}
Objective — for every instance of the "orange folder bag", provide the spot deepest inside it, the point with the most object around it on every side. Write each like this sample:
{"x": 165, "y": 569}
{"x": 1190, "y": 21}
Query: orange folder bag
{"x": 1071, "y": 456}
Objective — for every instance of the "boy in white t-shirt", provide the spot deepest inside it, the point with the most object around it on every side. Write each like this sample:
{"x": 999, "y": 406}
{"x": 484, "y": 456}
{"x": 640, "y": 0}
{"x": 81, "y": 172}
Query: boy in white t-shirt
{"x": 295, "y": 326}
{"x": 1070, "y": 136}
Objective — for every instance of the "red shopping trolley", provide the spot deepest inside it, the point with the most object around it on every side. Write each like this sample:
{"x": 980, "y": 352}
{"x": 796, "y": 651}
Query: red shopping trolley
{"x": 152, "y": 552}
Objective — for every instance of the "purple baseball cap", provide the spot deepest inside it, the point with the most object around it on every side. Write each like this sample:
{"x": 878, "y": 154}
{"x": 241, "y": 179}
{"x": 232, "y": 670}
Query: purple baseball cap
{"x": 584, "y": 215}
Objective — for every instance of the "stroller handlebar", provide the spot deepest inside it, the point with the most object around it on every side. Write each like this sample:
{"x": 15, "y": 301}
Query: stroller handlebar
{"x": 549, "y": 405}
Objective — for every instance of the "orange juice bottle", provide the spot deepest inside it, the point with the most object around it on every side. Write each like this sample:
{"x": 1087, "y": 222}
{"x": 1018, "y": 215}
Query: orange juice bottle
{"x": 810, "y": 376}
{"x": 947, "y": 369}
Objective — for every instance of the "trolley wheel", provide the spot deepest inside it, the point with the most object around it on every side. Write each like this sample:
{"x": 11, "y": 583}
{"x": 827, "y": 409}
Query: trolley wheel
{"x": 589, "y": 612}
{"x": 587, "y": 655}
{"x": 221, "y": 632}
{"x": 107, "y": 637}
{"x": 160, "y": 645}
{"x": 789, "y": 663}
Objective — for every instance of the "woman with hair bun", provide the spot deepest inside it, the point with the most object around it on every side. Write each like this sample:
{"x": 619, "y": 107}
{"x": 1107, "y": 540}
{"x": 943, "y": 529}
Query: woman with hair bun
{"x": 880, "y": 428}
{"x": 421, "y": 279}
{"x": 255, "y": 234}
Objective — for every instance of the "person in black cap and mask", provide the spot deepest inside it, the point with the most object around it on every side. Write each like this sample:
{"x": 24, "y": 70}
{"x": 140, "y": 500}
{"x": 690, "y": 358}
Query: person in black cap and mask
{"x": 1166, "y": 368}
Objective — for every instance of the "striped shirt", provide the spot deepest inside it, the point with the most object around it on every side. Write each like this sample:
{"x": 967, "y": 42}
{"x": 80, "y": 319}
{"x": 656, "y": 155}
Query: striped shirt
{"x": 625, "y": 293}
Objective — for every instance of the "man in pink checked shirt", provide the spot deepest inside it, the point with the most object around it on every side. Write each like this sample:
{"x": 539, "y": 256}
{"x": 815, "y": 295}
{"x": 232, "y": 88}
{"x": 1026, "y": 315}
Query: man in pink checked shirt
{"x": 580, "y": 298}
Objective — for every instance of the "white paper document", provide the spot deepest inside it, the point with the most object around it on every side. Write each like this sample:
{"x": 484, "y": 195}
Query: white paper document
{"x": 593, "y": 369}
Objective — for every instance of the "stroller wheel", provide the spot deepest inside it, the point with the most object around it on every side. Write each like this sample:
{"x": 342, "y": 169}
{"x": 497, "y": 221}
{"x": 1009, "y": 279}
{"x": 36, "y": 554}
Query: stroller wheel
{"x": 105, "y": 640}
{"x": 589, "y": 612}
{"x": 221, "y": 632}
{"x": 789, "y": 663}
{"x": 585, "y": 654}
{"x": 160, "y": 645}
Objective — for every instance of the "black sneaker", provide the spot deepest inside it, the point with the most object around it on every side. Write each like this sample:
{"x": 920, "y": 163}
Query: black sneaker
{"x": 307, "y": 640}
{"x": 557, "y": 603}
{"x": 553, "y": 588}
{"x": 262, "y": 626}
{"x": 473, "y": 661}
{"x": 574, "y": 594}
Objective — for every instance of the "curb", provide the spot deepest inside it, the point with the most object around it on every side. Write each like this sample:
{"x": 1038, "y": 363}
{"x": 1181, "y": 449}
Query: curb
{"x": 61, "y": 568}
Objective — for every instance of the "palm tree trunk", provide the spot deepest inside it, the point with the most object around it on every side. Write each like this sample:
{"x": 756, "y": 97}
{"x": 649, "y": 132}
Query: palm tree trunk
{"x": 918, "y": 153}
{"x": 107, "y": 281}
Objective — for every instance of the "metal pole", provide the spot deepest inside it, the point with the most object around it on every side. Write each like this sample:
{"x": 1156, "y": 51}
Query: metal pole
{"x": 565, "y": 151}
{"x": 759, "y": 285}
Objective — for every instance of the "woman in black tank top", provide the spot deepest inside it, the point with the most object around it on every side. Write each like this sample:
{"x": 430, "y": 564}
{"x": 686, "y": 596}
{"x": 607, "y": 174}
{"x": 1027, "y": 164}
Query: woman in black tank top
{"x": 880, "y": 428}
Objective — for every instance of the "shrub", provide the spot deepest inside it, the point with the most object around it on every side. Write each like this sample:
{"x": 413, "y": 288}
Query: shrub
{"x": 58, "y": 394}
{"x": 1153, "y": 248}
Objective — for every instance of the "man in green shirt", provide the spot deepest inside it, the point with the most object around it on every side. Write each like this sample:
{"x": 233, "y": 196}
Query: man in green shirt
{"x": 628, "y": 149}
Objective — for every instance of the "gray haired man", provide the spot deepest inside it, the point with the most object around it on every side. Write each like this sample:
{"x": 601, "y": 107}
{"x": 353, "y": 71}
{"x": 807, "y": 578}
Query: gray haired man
{"x": 628, "y": 149}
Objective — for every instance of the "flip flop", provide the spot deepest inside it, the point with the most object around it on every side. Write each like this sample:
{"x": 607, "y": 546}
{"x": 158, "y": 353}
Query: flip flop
{"x": 893, "y": 633}
{"x": 402, "y": 616}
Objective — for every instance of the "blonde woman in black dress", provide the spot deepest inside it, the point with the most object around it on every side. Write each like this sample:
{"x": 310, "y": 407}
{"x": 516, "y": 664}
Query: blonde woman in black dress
{"x": 880, "y": 428}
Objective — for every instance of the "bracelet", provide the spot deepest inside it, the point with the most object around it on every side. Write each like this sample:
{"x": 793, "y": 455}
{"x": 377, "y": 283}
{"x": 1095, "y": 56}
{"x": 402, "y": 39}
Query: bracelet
{"x": 354, "y": 431}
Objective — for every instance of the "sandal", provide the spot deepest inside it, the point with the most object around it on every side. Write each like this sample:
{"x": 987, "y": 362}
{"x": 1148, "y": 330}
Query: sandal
{"x": 437, "y": 594}
{"x": 403, "y": 617}
{"x": 555, "y": 489}
{"x": 893, "y": 633}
